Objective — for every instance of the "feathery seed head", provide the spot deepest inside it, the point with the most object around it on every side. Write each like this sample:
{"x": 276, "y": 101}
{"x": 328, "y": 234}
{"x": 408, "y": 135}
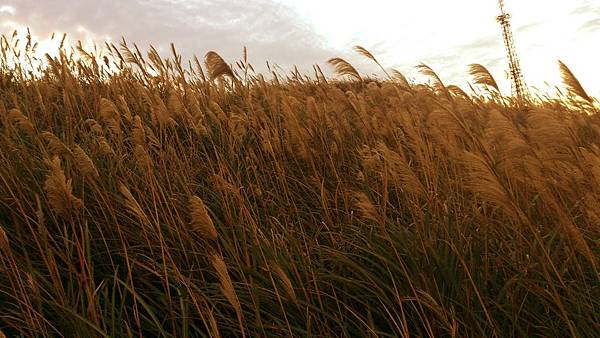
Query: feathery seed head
{"x": 216, "y": 66}
{"x": 22, "y": 122}
{"x": 84, "y": 163}
{"x": 344, "y": 68}
{"x": 226, "y": 284}
{"x": 59, "y": 190}
{"x": 201, "y": 220}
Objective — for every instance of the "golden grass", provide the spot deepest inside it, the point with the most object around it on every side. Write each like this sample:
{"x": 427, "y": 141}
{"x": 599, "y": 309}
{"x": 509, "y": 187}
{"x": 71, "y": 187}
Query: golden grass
{"x": 139, "y": 197}
{"x": 201, "y": 220}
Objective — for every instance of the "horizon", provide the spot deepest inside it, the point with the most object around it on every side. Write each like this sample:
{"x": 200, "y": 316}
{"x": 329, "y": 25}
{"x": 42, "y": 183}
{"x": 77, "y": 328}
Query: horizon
{"x": 311, "y": 32}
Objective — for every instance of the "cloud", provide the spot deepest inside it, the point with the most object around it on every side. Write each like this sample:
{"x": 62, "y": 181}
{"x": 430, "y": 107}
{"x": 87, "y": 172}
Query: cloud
{"x": 270, "y": 30}
{"x": 529, "y": 27}
{"x": 590, "y": 26}
{"x": 10, "y": 10}
{"x": 586, "y": 8}
{"x": 482, "y": 50}
{"x": 452, "y": 64}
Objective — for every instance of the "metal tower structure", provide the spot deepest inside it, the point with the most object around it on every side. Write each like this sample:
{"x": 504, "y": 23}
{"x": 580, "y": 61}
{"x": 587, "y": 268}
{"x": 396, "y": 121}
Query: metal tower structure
{"x": 519, "y": 89}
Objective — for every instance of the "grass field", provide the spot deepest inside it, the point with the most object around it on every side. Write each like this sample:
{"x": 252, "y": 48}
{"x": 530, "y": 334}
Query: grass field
{"x": 144, "y": 196}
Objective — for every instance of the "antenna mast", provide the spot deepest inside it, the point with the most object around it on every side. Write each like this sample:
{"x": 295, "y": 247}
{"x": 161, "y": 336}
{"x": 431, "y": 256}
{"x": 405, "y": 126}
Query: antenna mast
{"x": 519, "y": 89}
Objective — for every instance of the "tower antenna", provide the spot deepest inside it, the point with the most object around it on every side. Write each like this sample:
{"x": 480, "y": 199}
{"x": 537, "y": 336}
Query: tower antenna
{"x": 519, "y": 89}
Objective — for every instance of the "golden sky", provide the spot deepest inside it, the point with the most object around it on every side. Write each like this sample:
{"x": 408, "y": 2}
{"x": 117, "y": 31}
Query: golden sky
{"x": 446, "y": 35}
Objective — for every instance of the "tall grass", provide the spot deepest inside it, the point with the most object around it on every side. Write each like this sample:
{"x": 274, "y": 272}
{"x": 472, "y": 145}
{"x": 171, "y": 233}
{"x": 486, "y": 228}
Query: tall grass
{"x": 142, "y": 196}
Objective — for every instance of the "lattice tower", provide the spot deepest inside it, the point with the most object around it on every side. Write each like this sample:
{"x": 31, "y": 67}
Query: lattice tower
{"x": 519, "y": 89}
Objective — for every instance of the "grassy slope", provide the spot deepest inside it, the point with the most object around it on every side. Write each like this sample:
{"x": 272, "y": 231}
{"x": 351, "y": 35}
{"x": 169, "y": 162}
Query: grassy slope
{"x": 320, "y": 210}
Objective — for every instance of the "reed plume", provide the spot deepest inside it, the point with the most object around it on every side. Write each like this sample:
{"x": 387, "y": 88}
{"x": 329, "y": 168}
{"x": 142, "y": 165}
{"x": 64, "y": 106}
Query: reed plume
{"x": 201, "y": 221}
{"x": 400, "y": 79}
{"x": 482, "y": 76}
{"x": 437, "y": 82}
{"x": 95, "y": 127}
{"x": 287, "y": 282}
{"x": 364, "y": 52}
{"x": 573, "y": 85}
{"x": 401, "y": 172}
{"x": 55, "y": 145}
{"x": 365, "y": 207}
{"x": 132, "y": 204}
{"x": 226, "y": 285}
{"x": 104, "y": 147}
{"x": 84, "y": 163}
{"x": 216, "y": 66}
{"x": 22, "y": 122}
{"x": 483, "y": 181}
{"x": 343, "y": 68}
{"x": 143, "y": 159}
{"x": 110, "y": 115}
{"x": 4, "y": 243}
{"x": 137, "y": 131}
{"x": 457, "y": 91}
{"x": 59, "y": 191}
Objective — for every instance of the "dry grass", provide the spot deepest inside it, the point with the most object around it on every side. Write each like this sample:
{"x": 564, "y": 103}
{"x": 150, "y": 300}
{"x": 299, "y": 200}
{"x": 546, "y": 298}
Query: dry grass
{"x": 140, "y": 197}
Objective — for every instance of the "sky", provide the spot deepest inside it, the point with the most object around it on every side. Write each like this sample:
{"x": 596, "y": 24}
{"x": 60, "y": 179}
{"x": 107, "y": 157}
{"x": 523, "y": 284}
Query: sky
{"x": 446, "y": 35}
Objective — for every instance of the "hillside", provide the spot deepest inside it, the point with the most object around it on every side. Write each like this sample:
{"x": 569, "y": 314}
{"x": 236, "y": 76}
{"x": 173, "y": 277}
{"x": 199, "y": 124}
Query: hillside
{"x": 142, "y": 196}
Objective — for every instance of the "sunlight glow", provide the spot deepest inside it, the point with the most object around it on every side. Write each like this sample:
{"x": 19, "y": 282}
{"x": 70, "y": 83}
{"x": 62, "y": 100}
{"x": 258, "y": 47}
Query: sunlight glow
{"x": 444, "y": 35}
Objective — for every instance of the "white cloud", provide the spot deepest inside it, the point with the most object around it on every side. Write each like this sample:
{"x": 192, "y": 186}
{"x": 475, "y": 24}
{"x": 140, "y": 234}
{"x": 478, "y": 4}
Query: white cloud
{"x": 270, "y": 31}
{"x": 10, "y": 10}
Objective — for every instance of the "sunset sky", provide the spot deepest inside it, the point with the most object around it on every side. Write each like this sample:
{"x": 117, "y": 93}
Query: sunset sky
{"x": 446, "y": 35}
